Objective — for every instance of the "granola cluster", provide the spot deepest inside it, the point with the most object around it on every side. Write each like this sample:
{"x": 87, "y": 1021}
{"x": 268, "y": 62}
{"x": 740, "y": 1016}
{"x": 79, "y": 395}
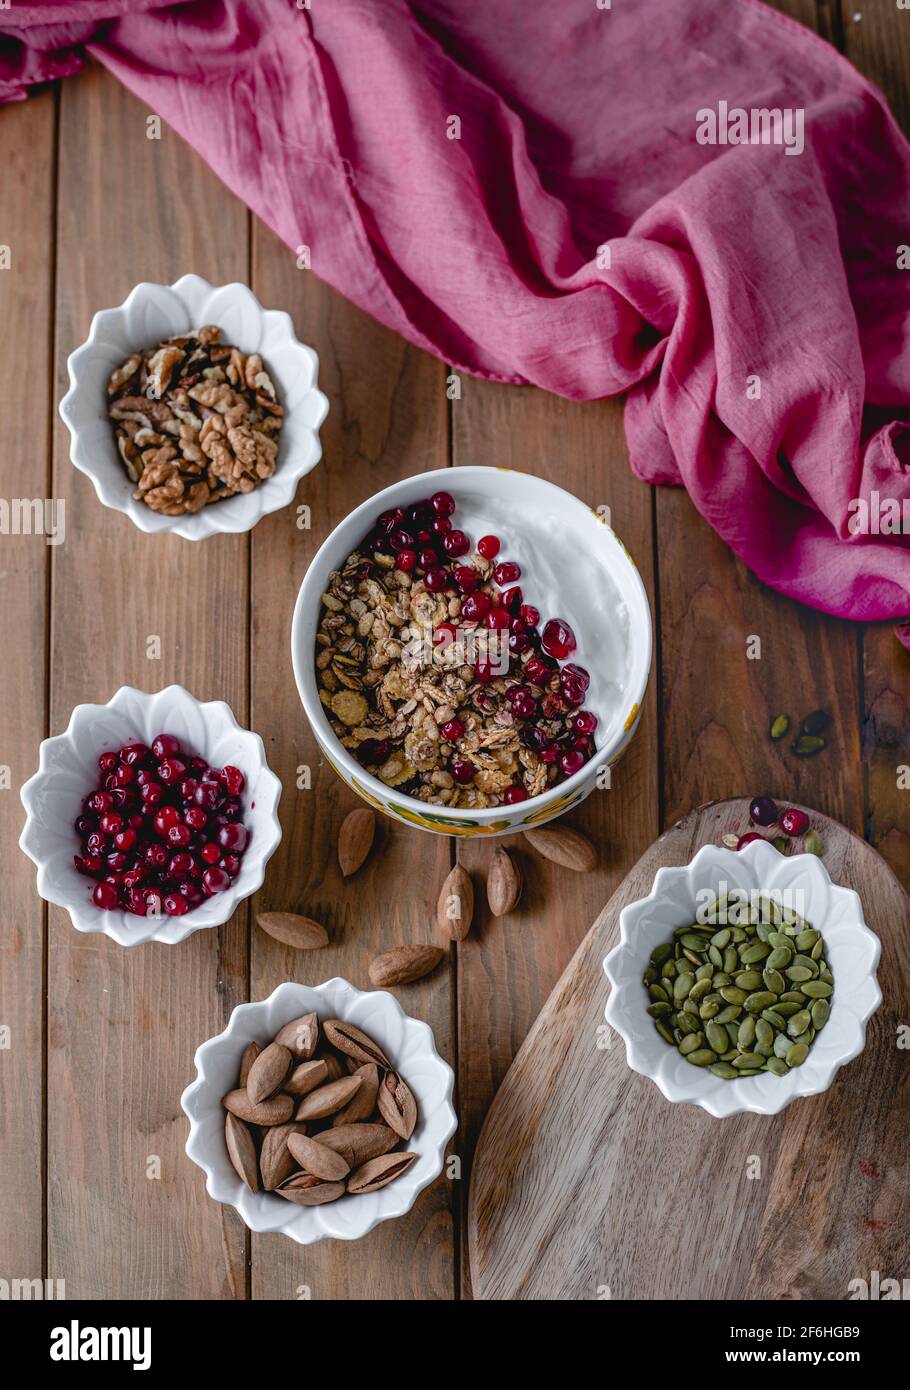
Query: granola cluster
{"x": 196, "y": 420}
{"x": 431, "y": 693}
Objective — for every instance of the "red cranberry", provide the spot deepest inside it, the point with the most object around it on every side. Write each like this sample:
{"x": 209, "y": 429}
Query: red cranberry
{"x": 582, "y": 742}
{"x": 96, "y": 842}
{"x": 406, "y": 560}
{"x": 444, "y": 635}
{"x": 550, "y": 752}
{"x": 488, "y": 547}
{"x": 178, "y": 835}
{"x": 136, "y": 903}
{"x": 443, "y": 503}
{"x": 105, "y": 896}
{"x": 573, "y": 692}
{"x": 155, "y": 856}
{"x": 763, "y": 811}
{"x": 792, "y": 822}
{"x": 234, "y": 780}
{"x": 373, "y": 751}
{"x": 485, "y": 671}
{"x": 208, "y": 795}
{"x": 463, "y": 771}
{"x": 436, "y": 579}
{"x": 427, "y": 558}
{"x": 151, "y": 793}
{"x": 538, "y": 671}
{"x": 117, "y": 860}
{"x": 111, "y": 822}
{"x": 452, "y": 730}
{"x": 558, "y": 639}
{"x": 133, "y": 753}
{"x": 88, "y": 863}
{"x": 84, "y": 825}
{"x": 387, "y": 521}
{"x": 514, "y": 794}
{"x": 175, "y": 904}
{"x": 475, "y": 606}
{"x": 187, "y": 788}
{"x": 529, "y": 615}
{"x": 497, "y": 619}
{"x": 125, "y": 839}
{"x": 110, "y": 782}
{"x": 401, "y": 540}
{"x": 466, "y": 577}
{"x": 519, "y": 643}
{"x": 164, "y": 818}
{"x": 195, "y": 818}
{"x": 124, "y": 774}
{"x": 506, "y": 573}
{"x": 170, "y": 771}
{"x": 136, "y": 822}
{"x": 216, "y": 879}
{"x": 231, "y": 865}
{"x": 583, "y": 721}
{"x": 107, "y": 762}
{"x": 512, "y": 600}
{"x": 525, "y": 707}
{"x": 572, "y": 761}
{"x": 441, "y": 525}
{"x": 424, "y": 537}
{"x": 211, "y": 853}
{"x": 165, "y": 746}
{"x": 180, "y": 864}
{"x": 233, "y": 836}
{"x": 455, "y": 543}
{"x": 100, "y": 802}
{"x": 191, "y": 891}
{"x": 748, "y": 839}
{"x": 198, "y": 767}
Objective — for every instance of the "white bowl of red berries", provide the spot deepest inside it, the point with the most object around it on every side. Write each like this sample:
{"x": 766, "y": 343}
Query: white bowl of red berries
{"x": 472, "y": 648}
{"x": 151, "y": 816}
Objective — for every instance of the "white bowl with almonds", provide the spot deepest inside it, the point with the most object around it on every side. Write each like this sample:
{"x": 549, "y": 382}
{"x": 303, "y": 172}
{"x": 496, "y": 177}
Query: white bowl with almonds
{"x": 193, "y": 409}
{"x": 320, "y": 1111}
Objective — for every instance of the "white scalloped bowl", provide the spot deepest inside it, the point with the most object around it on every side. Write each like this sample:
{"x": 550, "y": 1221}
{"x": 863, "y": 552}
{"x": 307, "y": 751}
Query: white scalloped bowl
{"x": 852, "y": 951}
{"x": 68, "y": 771}
{"x": 409, "y": 1045}
{"x": 148, "y": 315}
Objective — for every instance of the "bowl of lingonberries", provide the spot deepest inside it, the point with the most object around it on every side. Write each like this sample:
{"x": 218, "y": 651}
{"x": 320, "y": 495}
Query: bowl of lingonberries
{"x": 472, "y": 648}
{"x": 151, "y": 817}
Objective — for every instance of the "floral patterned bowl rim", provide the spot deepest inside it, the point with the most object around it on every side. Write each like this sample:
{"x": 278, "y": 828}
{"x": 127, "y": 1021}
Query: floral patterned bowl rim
{"x": 853, "y": 953}
{"x": 303, "y": 632}
{"x": 149, "y": 314}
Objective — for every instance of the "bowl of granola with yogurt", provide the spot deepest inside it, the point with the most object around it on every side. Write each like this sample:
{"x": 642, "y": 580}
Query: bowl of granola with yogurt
{"x": 472, "y": 647}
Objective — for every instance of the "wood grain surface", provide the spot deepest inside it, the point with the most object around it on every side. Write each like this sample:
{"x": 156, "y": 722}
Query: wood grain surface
{"x": 101, "y": 1040}
{"x": 585, "y": 1178}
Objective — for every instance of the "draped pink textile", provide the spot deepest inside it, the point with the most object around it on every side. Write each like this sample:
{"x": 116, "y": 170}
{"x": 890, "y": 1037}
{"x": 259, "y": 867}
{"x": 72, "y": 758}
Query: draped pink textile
{"x": 521, "y": 190}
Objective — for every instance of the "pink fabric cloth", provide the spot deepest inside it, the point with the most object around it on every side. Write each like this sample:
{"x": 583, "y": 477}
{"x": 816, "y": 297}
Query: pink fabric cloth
{"x": 727, "y": 263}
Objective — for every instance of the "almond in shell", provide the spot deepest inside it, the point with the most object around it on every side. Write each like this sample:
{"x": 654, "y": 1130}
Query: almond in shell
{"x": 277, "y": 1110}
{"x": 241, "y": 1149}
{"x": 309, "y": 1191}
{"x": 318, "y": 1159}
{"x": 354, "y": 1042}
{"x": 300, "y": 1036}
{"x": 357, "y": 1143}
{"x": 248, "y": 1057}
{"x": 379, "y": 1172}
{"x": 268, "y": 1072}
{"x": 363, "y": 1102}
{"x": 564, "y": 846}
{"x": 355, "y": 839}
{"x": 325, "y": 1100}
{"x": 293, "y": 930}
{"x": 276, "y": 1162}
{"x": 306, "y": 1076}
{"x": 455, "y": 906}
{"x": 397, "y": 1105}
{"x": 403, "y": 964}
{"x": 503, "y": 883}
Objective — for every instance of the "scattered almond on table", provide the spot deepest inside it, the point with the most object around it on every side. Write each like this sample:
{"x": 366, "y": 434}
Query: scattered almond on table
{"x": 355, "y": 839}
{"x": 293, "y": 930}
{"x": 404, "y": 964}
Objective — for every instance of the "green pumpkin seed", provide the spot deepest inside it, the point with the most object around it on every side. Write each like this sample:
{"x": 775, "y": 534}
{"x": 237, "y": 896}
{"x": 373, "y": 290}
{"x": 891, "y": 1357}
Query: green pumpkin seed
{"x": 751, "y": 955}
{"x": 778, "y": 941}
{"x": 699, "y": 990}
{"x": 749, "y": 1071}
{"x": 817, "y": 950}
{"x": 717, "y": 1037}
{"x": 686, "y": 1024}
{"x": 774, "y": 981}
{"x": 721, "y": 978}
{"x": 779, "y": 958}
{"x": 737, "y": 934}
{"x": 779, "y": 727}
{"x": 775, "y": 1018}
{"x": 703, "y": 1058}
{"x": 659, "y": 994}
{"x": 798, "y": 973}
{"x": 658, "y": 1010}
{"x": 798, "y": 1023}
{"x": 746, "y": 1034}
{"x": 761, "y": 999}
{"x": 681, "y": 986}
{"x": 731, "y": 959}
{"x": 807, "y": 939}
{"x": 733, "y": 995}
{"x": 792, "y": 996}
{"x": 727, "y": 1015}
{"x": 777, "y": 1066}
{"x": 764, "y": 1033}
{"x": 812, "y": 844}
{"x": 821, "y": 1012}
{"x": 818, "y": 989}
{"x": 763, "y": 931}
{"x": 787, "y": 1007}
{"x": 704, "y": 972}
{"x": 661, "y": 952}
{"x": 807, "y": 745}
{"x": 721, "y": 938}
{"x": 668, "y": 970}
{"x": 715, "y": 957}
{"x": 691, "y": 1007}
{"x": 691, "y": 1043}
{"x": 725, "y": 1070}
{"x": 692, "y": 942}
{"x": 732, "y": 1032}
{"x": 664, "y": 1032}
{"x": 797, "y": 1054}
{"x": 748, "y": 1059}
{"x": 709, "y": 1009}
{"x": 782, "y": 1045}
{"x": 816, "y": 722}
{"x": 748, "y": 979}
{"x": 807, "y": 963}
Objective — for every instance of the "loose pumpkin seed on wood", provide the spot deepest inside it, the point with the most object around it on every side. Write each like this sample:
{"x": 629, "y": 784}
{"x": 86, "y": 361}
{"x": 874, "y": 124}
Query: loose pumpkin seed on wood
{"x": 743, "y": 1000}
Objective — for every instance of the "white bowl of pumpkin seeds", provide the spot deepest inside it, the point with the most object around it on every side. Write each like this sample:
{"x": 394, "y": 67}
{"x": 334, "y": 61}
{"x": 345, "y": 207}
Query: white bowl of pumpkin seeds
{"x": 743, "y": 980}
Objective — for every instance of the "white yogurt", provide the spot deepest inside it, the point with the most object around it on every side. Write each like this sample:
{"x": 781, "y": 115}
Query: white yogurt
{"x": 564, "y": 575}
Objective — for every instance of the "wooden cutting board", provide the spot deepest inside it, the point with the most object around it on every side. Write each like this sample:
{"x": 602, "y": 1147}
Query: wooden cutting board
{"x": 588, "y": 1184}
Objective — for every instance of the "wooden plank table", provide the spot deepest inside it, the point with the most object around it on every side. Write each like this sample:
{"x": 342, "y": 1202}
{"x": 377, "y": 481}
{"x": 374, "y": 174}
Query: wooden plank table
{"x": 97, "y": 1189}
